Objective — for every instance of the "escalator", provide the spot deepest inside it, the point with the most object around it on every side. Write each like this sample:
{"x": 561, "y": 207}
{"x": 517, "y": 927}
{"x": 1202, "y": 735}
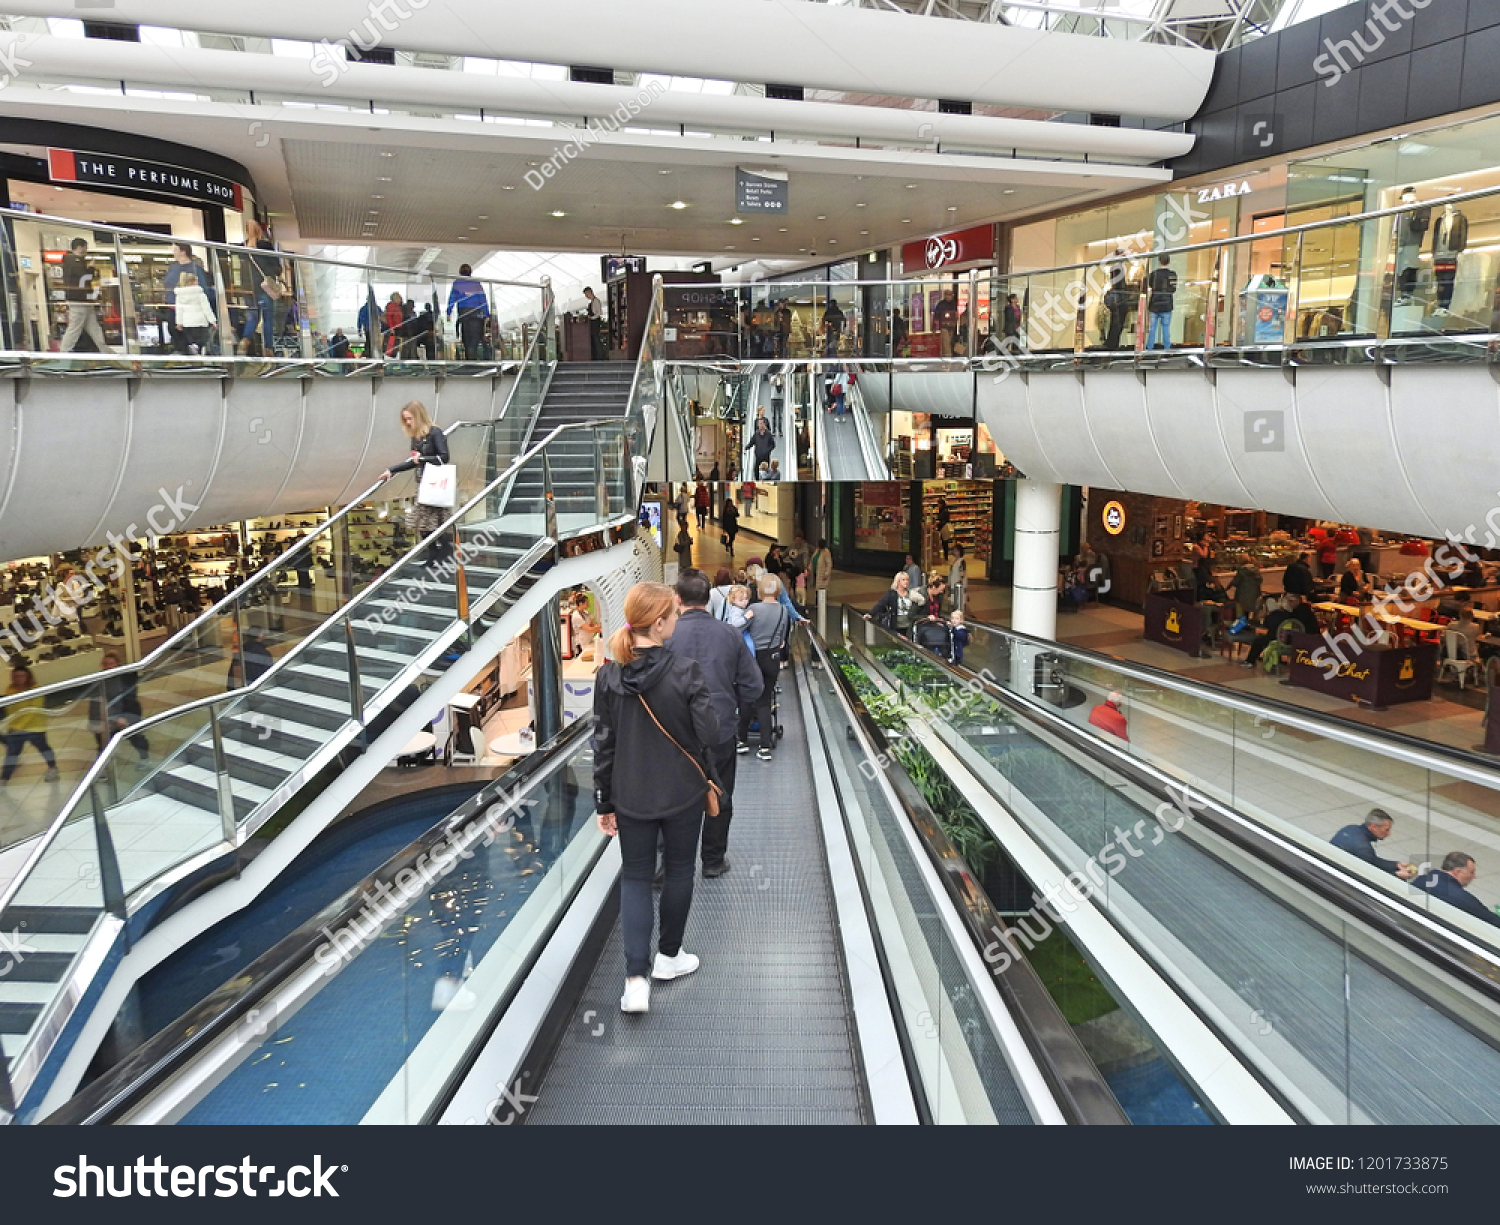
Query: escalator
{"x": 846, "y": 448}
{"x": 1348, "y": 997}
{"x": 135, "y": 848}
{"x": 842, "y": 977}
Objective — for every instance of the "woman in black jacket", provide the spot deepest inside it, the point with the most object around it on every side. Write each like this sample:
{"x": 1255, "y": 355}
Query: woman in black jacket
{"x": 729, "y": 520}
{"x": 898, "y": 607}
{"x": 646, "y": 788}
{"x": 429, "y": 446}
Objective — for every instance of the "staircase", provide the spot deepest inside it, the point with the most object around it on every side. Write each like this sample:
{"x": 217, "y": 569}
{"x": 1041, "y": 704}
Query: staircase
{"x": 579, "y": 391}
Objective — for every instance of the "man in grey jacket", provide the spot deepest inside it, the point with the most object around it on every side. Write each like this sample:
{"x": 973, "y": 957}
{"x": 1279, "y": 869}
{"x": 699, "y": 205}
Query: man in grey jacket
{"x": 734, "y": 684}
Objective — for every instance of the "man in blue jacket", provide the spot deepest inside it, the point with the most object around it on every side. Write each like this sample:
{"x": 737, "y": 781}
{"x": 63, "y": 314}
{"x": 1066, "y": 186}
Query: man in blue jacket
{"x": 473, "y": 306}
{"x": 1360, "y": 840}
{"x": 734, "y": 683}
{"x": 1450, "y": 883}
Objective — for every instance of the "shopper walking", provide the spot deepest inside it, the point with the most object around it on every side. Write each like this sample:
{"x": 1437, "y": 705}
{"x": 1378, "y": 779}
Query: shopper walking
{"x": 429, "y": 446}
{"x": 958, "y": 578}
{"x": 116, "y": 706}
{"x": 193, "y": 315}
{"x": 729, "y": 522}
{"x": 264, "y": 274}
{"x": 734, "y": 684}
{"x": 653, "y": 715}
{"x": 683, "y": 546}
{"x": 595, "y": 315}
{"x": 701, "y": 501}
{"x": 468, "y": 299}
{"x": 26, "y": 724}
{"x": 769, "y": 629}
{"x": 184, "y": 263}
{"x": 82, "y": 297}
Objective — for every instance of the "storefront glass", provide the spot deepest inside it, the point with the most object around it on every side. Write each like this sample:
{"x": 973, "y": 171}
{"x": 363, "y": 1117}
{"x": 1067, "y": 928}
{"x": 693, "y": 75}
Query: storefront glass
{"x": 880, "y": 517}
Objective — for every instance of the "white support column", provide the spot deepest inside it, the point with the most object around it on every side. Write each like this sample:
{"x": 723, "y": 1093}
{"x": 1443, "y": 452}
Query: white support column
{"x": 1034, "y": 590}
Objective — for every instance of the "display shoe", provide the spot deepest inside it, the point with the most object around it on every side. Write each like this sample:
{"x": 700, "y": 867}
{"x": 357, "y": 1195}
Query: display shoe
{"x": 668, "y": 968}
{"x": 637, "y": 997}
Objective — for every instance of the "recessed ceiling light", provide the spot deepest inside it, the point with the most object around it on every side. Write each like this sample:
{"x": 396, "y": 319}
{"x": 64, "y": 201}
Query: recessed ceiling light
{"x": 730, "y": 247}
{"x": 909, "y": 186}
{"x": 906, "y": 221}
{"x": 484, "y": 216}
{"x": 385, "y": 178}
{"x": 953, "y": 208}
{"x": 781, "y": 229}
{"x": 507, "y": 187}
{"x": 374, "y": 212}
{"x": 821, "y": 217}
{"x": 755, "y": 240}
{"x": 736, "y": 221}
{"x": 833, "y": 242}
{"x": 1009, "y": 191}
{"x": 473, "y": 227}
{"x": 663, "y": 172}
{"x": 864, "y": 231}
{"x": 557, "y": 212}
{"x": 377, "y": 197}
{"x": 383, "y": 153}
{"x": 859, "y": 206}
{"x": 679, "y": 205}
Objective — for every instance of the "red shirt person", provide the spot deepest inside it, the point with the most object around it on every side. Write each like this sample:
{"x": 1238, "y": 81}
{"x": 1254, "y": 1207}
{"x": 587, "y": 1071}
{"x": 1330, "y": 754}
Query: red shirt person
{"x": 1107, "y": 716}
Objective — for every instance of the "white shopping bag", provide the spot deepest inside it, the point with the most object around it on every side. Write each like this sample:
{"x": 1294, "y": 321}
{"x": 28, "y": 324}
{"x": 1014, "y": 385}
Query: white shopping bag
{"x": 439, "y": 485}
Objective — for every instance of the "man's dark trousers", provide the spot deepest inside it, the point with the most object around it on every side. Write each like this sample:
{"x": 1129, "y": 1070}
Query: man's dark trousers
{"x": 716, "y": 829}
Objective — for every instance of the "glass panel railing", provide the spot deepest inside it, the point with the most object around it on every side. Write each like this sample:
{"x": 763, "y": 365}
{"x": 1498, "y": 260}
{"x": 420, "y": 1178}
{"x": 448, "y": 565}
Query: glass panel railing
{"x": 424, "y": 971}
{"x": 960, "y": 1058}
{"x": 1295, "y": 773}
{"x": 1267, "y": 961}
{"x": 271, "y": 305}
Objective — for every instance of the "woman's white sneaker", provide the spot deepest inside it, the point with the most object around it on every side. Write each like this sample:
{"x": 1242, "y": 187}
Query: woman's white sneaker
{"x": 637, "y": 997}
{"x": 674, "y": 967}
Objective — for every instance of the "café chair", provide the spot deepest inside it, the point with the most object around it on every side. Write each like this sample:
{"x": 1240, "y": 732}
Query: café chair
{"x": 1453, "y": 658}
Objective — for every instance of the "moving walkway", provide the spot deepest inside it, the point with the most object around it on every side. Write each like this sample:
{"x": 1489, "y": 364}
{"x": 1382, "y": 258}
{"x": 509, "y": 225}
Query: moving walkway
{"x": 1194, "y": 858}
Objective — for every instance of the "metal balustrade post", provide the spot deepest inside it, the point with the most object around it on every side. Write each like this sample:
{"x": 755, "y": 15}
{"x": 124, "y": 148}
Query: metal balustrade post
{"x": 227, "y": 823}
{"x": 356, "y": 689}
{"x": 1294, "y": 294}
{"x": 127, "y": 301}
{"x": 111, "y": 887}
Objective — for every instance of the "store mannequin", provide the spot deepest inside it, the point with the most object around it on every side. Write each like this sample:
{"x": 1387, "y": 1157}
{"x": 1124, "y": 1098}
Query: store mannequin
{"x": 1411, "y": 228}
{"x": 1449, "y": 237}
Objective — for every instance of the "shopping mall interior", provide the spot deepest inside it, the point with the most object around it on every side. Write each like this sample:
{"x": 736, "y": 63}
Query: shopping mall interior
{"x": 1094, "y": 464}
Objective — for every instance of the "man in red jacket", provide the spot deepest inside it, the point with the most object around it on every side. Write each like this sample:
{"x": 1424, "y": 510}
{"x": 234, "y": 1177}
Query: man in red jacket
{"x": 1107, "y": 716}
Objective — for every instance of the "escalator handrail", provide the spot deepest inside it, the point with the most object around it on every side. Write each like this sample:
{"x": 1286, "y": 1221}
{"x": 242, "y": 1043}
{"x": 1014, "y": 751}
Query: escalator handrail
{"x": 1426, "y": 754}
{"x": 1076, "y": 1083}
{"x": 1421, "y": 932}
{"x": 273, "y": 676}
{"x": 114, "y": 1093}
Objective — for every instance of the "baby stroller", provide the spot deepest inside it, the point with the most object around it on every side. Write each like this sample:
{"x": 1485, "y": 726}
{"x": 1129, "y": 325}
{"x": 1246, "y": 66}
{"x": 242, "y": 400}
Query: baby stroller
{"x": 935, "y": 636}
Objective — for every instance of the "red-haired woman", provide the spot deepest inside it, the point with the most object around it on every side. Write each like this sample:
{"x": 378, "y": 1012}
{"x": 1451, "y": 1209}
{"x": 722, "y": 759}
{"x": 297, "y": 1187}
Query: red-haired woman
{"x": 652, "y": 719}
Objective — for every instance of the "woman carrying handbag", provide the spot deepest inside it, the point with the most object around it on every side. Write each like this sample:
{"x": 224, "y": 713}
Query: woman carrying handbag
{"x": 429, "y": 447}
{"x": 652, "y": 717}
